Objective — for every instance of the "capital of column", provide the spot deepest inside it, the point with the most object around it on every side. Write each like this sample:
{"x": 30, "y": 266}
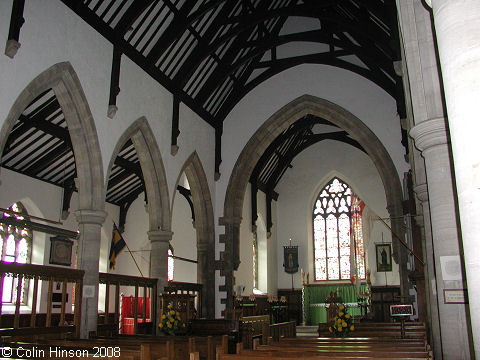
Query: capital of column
{"x": 421, "y": 191}
{"x": 89, "y": 216}
{"x": 429, "y": 133}
{"x": 160, "y": 235}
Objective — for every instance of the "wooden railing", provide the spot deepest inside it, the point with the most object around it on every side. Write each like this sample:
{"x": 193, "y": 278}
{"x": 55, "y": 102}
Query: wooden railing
{"x": 149, "y": 290}
{"x": 177, "y": 287}
{"x": 38, "y": 273}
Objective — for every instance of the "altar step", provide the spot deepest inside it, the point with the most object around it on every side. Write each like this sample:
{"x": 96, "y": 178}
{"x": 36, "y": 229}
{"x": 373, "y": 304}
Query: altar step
{"x": 307, "y": 331}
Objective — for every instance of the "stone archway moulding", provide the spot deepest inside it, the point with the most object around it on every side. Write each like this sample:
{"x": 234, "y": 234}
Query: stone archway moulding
{"x": 63, "y": 80}
{"x": 153, "y": 172}
{"x": 205, "y": 229}
{"x": 263, "y": 137}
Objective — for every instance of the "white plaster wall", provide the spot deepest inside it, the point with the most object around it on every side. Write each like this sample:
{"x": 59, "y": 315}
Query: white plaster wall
{"x": 135, "y": 236}
{"x": 268, "y": 273}
{"x": 52, "y": 34}
{"x": 298, "y": 189}
{"x": 184, "y": 240}
{"x": 356, "y": 94}
{"x": 244, "y": 274}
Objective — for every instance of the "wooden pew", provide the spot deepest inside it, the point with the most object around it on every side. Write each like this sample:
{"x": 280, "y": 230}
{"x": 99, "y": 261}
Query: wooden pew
{"x": 392, "y": 352}
{"x": 252, "y": 327}
{"x": 365, "y": 329}
{"x": 146, "y": 347}
{"x": 217, "y": 327}
{"x": 58, "y": 352}
{"x": 282, "y": 330}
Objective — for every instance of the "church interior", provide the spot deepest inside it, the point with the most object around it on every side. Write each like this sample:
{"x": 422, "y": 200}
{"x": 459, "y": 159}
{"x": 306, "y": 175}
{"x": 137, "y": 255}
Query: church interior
{"x": 240, "y": 171}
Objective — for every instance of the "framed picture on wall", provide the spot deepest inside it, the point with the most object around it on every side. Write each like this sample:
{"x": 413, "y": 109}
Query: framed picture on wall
{"x": 60, "y": 251}
{"x": 384, "y": 257}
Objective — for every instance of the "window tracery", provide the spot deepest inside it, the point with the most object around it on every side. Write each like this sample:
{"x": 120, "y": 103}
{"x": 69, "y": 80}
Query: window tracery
{"x": 336, "y": 212}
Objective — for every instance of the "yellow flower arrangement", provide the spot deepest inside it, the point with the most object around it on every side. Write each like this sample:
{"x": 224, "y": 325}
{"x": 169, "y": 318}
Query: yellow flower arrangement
{"x": 171, "y": 321}
{"x": 342, "y": 323}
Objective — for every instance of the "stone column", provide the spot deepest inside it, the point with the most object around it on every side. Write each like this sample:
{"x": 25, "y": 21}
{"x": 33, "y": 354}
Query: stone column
{"x": 89, "y": 225}
{"x": 159, "y": 256}
{"x": 429, "y": 268}
{"x": 431, "y": 139}
{"x": 203, "y": 277}
{"x": 159, "y": 261}
{"x": 457, "y": 26}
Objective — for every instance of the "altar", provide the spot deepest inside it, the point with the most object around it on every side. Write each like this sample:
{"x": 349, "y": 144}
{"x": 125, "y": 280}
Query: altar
{"x": 315, "y": 305}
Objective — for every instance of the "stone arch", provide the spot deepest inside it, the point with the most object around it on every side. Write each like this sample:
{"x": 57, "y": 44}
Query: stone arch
{"x": 64, "y": 82}
{"x": 205, "y": 228}
{"x": 153, "y": 172}
{"x": 263, "y": 137}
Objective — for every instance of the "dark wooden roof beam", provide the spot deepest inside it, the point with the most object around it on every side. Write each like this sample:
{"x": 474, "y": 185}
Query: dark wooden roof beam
{"x": 132, "y": 167}
{"x": 16, "y": 23}
{"x": 174, "y": 30}
{"x": 48, "y": 128}
{"x": 54, "y": 152}
{"x": 192, "y": 62}
{"x": 187, "y": 194}
{"x": 87, "y": 15}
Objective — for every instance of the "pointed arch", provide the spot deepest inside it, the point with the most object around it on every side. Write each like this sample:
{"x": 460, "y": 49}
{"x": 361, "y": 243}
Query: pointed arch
{"x": 266, "y": 134}
{"x": 153, "y": 172}
{"x": 64, "y": 82}
{"x": 205, "y": 228}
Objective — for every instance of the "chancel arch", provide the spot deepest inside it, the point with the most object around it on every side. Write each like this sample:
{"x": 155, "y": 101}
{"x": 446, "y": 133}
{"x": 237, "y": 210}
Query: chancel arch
{"x": 266, "y": 134}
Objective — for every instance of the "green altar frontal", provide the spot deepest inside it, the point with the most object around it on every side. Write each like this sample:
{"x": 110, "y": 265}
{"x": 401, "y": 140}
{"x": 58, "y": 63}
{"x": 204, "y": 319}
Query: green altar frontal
{"x": 314, "y": 297}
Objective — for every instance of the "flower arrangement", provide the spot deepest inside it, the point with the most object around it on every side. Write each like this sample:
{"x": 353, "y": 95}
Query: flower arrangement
{"x": 171, "y": 322}
{"x": 342, "y": 323}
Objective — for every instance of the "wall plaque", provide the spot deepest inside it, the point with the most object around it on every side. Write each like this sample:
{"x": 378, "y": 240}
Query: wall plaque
{"x": 60, "y": 251}
{"x": 455, "y": 296}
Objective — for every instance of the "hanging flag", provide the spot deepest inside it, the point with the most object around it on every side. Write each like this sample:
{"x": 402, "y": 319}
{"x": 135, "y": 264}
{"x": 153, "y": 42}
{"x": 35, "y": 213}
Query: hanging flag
{"x": 290, "y": 259}
{"x": 118, "y": 243}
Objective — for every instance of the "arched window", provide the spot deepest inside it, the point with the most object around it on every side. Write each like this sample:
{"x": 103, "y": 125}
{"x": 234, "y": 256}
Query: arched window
{"x": 336, "y": 211}
{"x": 16, "y": 246}
{"x": 170, "y": 264}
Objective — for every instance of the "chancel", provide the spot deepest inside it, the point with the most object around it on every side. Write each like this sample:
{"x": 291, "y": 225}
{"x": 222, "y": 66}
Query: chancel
{"x": 157, "y": 156}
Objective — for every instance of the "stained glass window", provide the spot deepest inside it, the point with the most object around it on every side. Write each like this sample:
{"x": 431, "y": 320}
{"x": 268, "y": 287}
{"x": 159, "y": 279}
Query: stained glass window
{"x": 336, "y": 212}
{"x": 15, "y": 244}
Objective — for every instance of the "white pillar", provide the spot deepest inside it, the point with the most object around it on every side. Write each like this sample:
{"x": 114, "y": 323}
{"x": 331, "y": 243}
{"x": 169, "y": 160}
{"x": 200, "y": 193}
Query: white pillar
{"x": 431, "y": 138}
{"x": 89, "y": 225}
{"x": 457, "y": 26}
